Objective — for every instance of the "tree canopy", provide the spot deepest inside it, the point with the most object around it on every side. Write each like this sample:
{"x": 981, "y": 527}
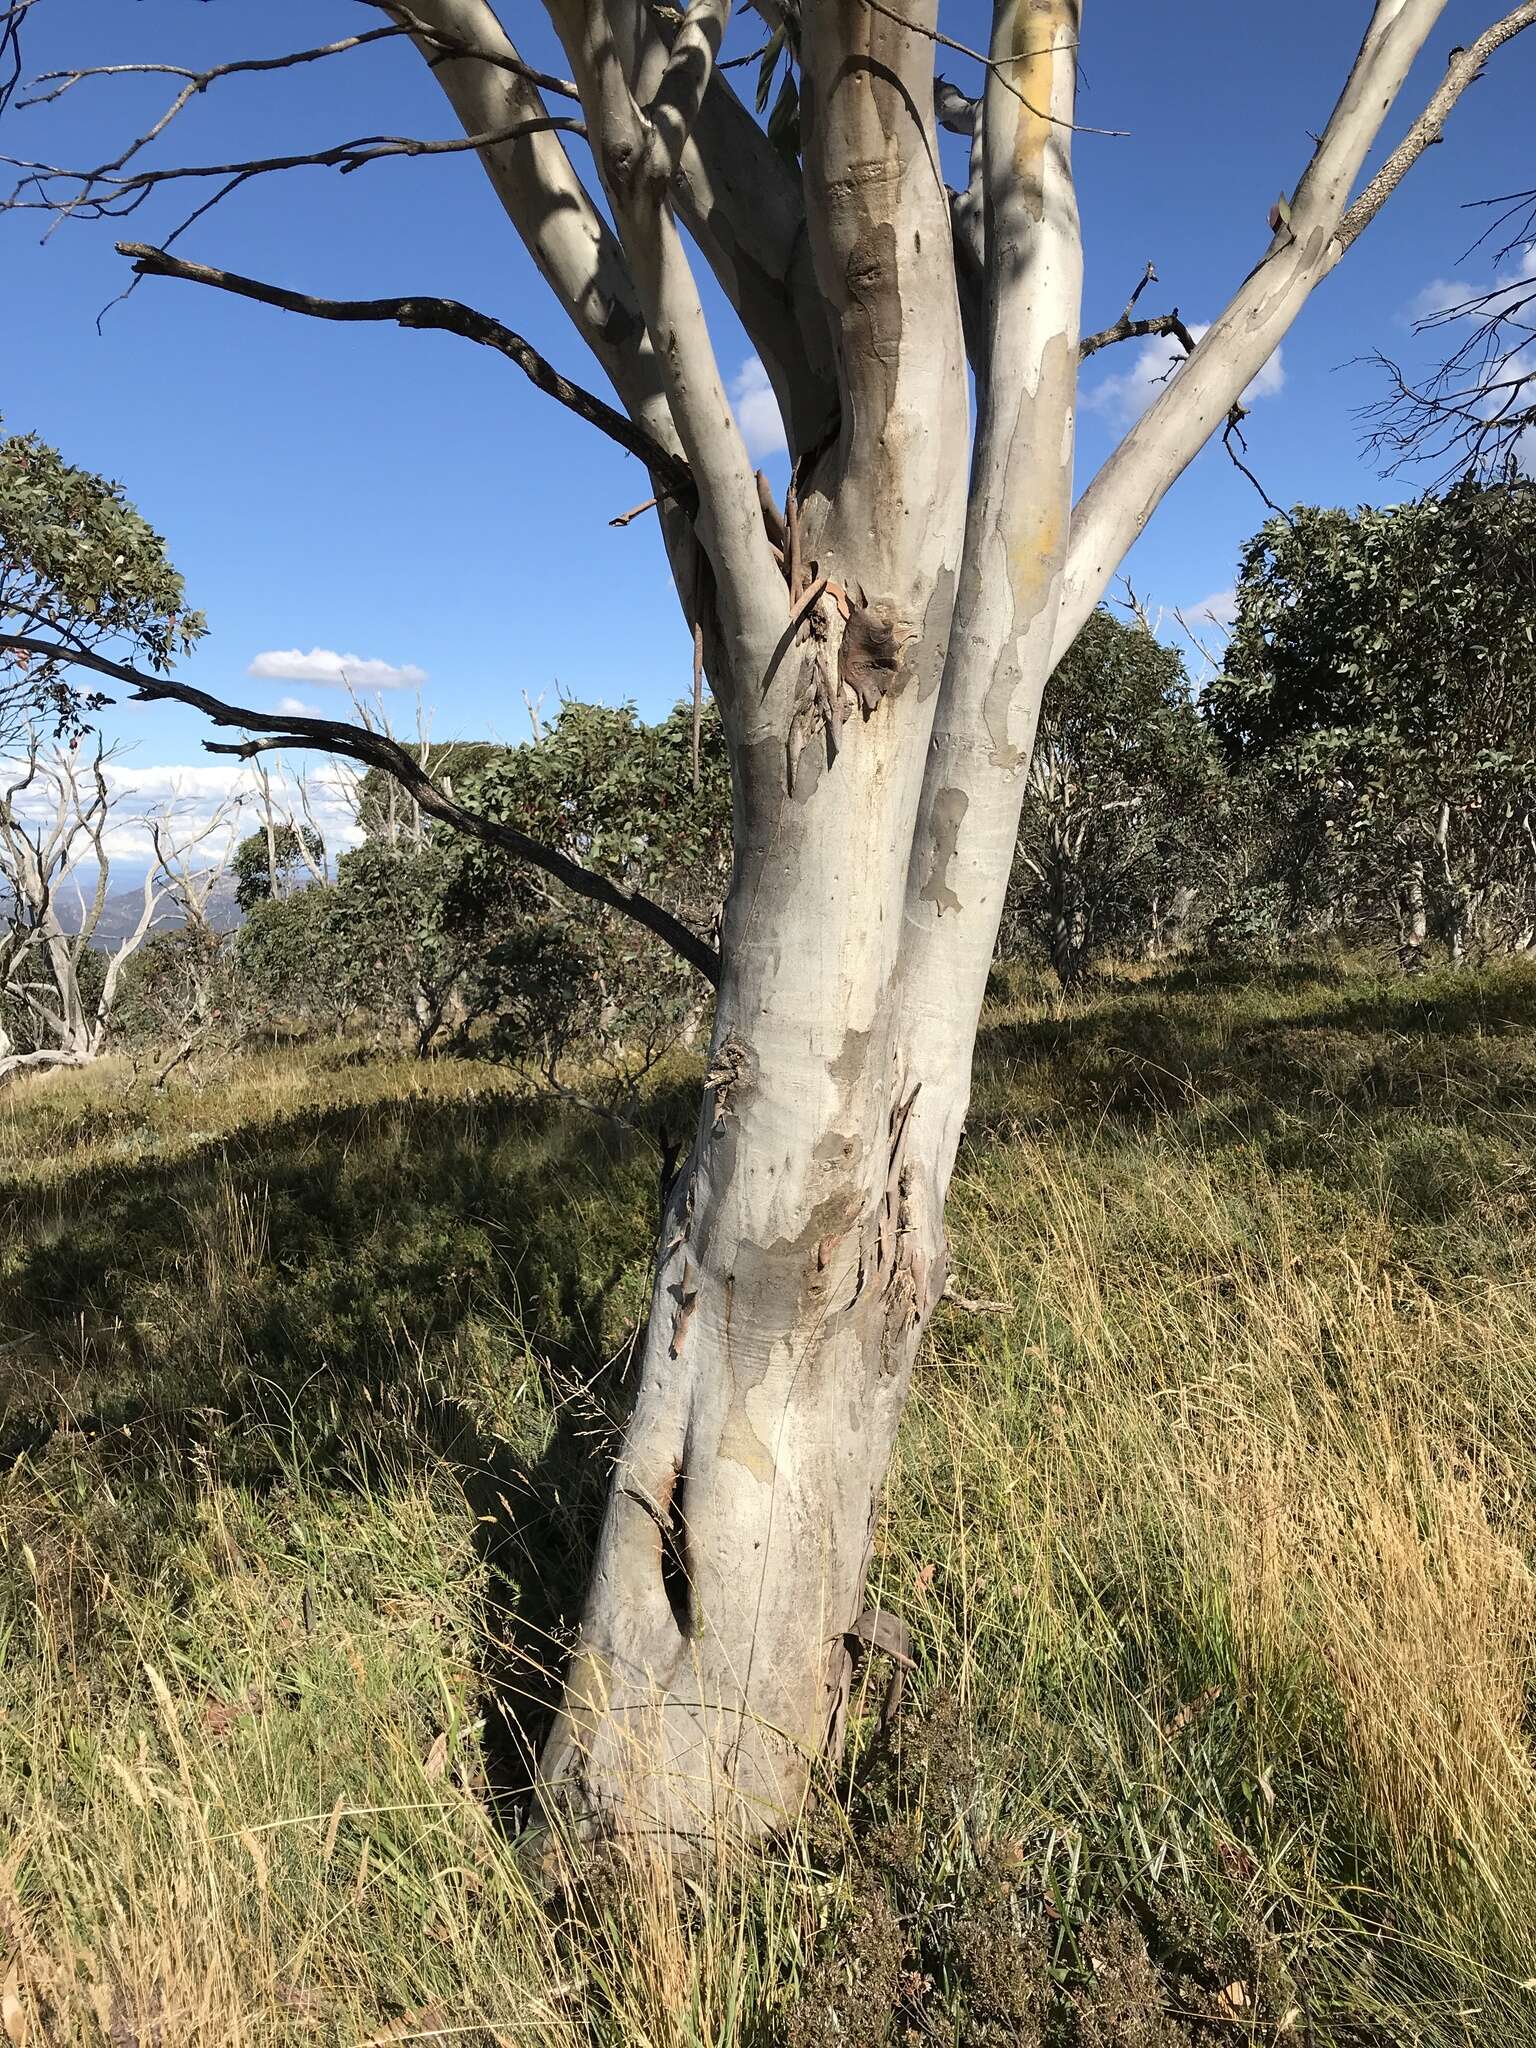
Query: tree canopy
{"x": 1112, "y": 832}
{"x": 1384, "y": 663}
{"x": 82, "y": 567}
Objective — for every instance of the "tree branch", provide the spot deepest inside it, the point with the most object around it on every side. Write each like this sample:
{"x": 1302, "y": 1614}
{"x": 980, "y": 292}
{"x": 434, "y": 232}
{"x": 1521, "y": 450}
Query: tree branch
{"x": 1302, "y": 250}
{"x": 1129, "y": 328}
{"x": 670, "y": 471}
{"x": 999, "y": 66}
{"x": 377, "y": 750}
{"x": 745, "y": 211}
{"x": 554, "y": 215}
{"x": 197, "y": 82}
{"x": 968, "y": 220}
{"x": 11, "y": 18}
{"x": 125, "y": 194}
{"x": 684, "y": 82}
{"x": 448, "y": 46}
{"x": 1233, "y": 431}
{"x": 1465, "y": 66}
{"x": 729, "y": 525}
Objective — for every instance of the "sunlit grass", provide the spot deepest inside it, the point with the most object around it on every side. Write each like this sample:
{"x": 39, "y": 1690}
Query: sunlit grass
{"x": 1217, "y": 1550}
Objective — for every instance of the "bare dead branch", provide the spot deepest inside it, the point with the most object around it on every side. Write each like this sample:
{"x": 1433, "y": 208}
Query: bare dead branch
{"x": 1129, "y": 328}
{"x": 130, "y": 192}
{"x": 1233, "y": 431}
{"x": 1466, "y": 415}
{"x": 1205, "y": 652}
{"x": 1134, "y": 603}
{"x": 196, "y": 81}
{"x": 670, "y": 471}
{"x": 378, "y": 750}
{"x": 1472, "y": 409}
{"x": 1513, "y": 204}
{"x": 125, "y": 194}
{"x": 11, "y": 19}
{"x": 973, "y": 1305}
{"x": 634, "y": 512}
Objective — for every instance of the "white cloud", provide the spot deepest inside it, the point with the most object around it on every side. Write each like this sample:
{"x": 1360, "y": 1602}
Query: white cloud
{"x": 297, "y": 708}
{"x": 324, "y": 665}
{"x": 1440, "y": 295}
{"x": 1124, "y": 395}
{"x": 1219, "y": 610}
{"x": 191, "y": 794}
{"x": 757, "y": 410}
{"x": 1443, "y": 295}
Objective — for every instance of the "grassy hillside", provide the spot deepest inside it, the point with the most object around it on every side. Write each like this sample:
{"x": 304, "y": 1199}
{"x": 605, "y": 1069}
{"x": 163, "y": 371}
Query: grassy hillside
{"x": 1217, "y": 1550}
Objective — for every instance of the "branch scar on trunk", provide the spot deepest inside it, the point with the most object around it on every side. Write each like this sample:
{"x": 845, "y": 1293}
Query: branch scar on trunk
{"x": 728, "y": 1071}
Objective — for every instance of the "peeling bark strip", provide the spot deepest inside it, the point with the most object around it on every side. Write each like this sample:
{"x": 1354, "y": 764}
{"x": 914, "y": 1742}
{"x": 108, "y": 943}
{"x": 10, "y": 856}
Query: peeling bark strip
{"x": 686, "y": 1296}
{"x": 804, "y": 1255}
{"x": 869, "y": 666}
{"x": 949, "y": 809}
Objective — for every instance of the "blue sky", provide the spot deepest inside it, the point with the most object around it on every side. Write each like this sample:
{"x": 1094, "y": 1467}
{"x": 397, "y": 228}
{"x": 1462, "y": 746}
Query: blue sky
{"x": 408, "y": 499}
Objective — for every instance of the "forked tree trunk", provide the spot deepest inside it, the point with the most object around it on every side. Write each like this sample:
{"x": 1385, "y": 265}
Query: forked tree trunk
{"x": 877, "y": 653}
{"x": 803, "y": 1249}
{"x": 880, "y": 717}
{"x": 801, "y": 1255}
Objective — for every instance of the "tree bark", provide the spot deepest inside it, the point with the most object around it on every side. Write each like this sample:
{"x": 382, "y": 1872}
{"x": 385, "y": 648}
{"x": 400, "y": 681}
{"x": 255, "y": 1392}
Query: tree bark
{"x": 803, "y": 1249}
{"x": 794, "y": 1282}
{"x": 1413, "y": 920}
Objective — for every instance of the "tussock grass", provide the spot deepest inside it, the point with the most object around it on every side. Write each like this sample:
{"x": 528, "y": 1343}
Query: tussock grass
{"x": 1218, "y": 1551}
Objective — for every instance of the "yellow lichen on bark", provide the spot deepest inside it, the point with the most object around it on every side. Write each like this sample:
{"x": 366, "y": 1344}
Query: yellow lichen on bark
{"x": 1026, "y": 48}
{"x": 1037, "y": 528}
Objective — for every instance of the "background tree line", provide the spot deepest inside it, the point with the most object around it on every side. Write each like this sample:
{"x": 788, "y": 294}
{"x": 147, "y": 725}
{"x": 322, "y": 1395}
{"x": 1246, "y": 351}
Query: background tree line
{"x": 1362, "y": 769}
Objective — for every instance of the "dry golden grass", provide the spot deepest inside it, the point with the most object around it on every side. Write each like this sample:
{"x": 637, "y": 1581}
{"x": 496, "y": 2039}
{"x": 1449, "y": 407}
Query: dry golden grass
{"x": 1217, "y": 1552}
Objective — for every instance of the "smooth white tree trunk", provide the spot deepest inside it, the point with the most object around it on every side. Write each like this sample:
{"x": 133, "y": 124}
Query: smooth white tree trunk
{"x": 878, "y": 653}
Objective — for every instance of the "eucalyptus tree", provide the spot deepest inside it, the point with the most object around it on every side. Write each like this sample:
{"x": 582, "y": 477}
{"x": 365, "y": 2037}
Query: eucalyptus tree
{"x": 580, "y": 997}
{"x": 1123, "y": 791}
{"x": 1383, "y": 667}
{"x": 877, "y": 645}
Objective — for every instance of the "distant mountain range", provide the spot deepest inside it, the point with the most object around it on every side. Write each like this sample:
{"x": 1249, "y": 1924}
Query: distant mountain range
{"x": 123, "y": 908}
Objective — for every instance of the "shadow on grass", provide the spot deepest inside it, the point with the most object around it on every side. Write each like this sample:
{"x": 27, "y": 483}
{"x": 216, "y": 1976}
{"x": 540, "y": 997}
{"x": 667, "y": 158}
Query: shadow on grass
{"x": 461, "y": 1278}
{"x": 343, "y": 1290}
{"x": 1233, "y": 1057}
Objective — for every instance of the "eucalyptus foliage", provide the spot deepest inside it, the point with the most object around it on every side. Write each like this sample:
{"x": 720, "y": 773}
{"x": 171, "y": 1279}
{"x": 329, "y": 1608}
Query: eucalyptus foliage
{"x": 1383, "y": 667}
{"x": 1116, "y": 828}
{"x": 584, "y": 991}
{"x": 82, "y": 567}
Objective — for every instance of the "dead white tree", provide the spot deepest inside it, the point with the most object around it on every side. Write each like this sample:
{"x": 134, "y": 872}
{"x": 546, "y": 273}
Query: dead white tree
{"x": 877, "y": 645}
{"x": 295, "y": 846}
{"x": 57, "y": 987}
{"x": 192, "y": 867}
